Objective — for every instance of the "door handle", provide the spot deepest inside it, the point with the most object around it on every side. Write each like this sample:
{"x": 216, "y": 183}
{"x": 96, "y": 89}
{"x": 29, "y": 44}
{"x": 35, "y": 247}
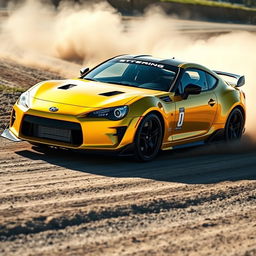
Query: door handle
{"x": 211, "y": 102}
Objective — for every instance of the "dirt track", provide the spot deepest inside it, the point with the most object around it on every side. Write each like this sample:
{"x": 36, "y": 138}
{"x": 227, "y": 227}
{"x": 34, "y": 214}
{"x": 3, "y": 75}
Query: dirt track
{"x": 199, "y": 201}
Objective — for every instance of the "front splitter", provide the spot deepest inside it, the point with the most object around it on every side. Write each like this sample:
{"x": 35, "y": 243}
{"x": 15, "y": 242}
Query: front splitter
{"x": 10, "y": 136}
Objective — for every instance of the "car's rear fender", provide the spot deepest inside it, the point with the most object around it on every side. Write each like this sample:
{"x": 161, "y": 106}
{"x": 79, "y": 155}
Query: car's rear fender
{"x": 228, "y": 99}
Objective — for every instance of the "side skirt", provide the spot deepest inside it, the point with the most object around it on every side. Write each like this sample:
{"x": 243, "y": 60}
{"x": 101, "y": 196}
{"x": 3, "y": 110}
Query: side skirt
{"x": 216, "y": 136}
{"x": 188, "y": 145}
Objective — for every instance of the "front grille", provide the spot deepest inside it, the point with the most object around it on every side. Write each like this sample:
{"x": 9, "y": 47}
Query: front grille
{"x": 53, "y": 130}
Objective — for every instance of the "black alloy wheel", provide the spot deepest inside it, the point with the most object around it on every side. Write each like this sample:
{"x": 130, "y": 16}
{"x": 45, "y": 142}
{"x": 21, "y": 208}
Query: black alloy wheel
{"x": 234, "y": 126}
{"x": 148, "y": 139}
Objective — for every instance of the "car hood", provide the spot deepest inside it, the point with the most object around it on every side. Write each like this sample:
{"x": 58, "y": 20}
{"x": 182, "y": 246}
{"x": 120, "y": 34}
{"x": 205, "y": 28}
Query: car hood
{"x": 86, "y": 93}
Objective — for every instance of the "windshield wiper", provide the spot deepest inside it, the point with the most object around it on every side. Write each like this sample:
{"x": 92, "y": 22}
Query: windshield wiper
{"x": 125, "y": 84}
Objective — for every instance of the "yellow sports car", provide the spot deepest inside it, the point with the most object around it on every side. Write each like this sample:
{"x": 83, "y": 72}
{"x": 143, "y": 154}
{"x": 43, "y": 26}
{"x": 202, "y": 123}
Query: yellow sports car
{"x": 132, "y": 104}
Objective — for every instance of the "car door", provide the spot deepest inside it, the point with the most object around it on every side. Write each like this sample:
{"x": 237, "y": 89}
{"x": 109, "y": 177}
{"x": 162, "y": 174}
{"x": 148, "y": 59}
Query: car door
{"x": 195, "y": 114}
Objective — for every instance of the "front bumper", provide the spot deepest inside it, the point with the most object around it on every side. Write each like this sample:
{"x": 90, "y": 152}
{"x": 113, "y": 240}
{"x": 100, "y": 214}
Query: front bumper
{"x": 96, "y": 133}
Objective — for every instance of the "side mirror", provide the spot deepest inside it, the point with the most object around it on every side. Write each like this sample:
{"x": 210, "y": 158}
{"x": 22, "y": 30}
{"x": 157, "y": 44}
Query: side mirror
{"x": 241, "y": 81}
{"x": 83, "y": 71}
{"x": 191, "y": 89}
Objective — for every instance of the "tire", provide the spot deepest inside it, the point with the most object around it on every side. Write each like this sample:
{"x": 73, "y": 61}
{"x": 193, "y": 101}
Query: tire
{"x": 234, "y": 126}
{"x": 148, "y": 138}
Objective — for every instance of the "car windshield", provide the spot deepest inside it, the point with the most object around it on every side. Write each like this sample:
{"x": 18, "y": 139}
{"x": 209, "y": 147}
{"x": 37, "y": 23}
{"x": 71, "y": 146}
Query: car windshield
{"x": 136, "y": 73}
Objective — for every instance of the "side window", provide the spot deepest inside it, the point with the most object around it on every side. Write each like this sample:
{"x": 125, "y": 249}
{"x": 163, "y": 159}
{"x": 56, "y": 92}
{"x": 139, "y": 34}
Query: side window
{"x": 193, "y": 76}
{"x": 212, "y": 81}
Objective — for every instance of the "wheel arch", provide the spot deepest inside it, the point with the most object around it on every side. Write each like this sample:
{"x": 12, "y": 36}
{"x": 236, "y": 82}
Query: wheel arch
{"x": 138, "y": 153}
{"x": 161, "y": 118}
{"x": 149, "y": 105}
{"x": 241, "y": 109}
{"x": 234, "y": 134}
{"x": 237, "y": 107}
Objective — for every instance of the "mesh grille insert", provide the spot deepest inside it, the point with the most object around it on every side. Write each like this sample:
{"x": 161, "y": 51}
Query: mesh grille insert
{"x": 53, "y": 130}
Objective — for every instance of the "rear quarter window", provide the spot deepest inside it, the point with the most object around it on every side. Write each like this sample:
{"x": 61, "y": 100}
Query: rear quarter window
{"x": 211, "y": 80}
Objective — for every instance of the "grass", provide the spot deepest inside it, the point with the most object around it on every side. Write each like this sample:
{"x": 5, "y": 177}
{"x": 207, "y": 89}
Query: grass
{"x": 9, "y": 89}
{"x": 211, "y": 3}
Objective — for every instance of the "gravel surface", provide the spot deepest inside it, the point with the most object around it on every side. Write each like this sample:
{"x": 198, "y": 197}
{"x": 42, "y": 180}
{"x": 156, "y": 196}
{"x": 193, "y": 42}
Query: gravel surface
{"x": 199, "y": 201}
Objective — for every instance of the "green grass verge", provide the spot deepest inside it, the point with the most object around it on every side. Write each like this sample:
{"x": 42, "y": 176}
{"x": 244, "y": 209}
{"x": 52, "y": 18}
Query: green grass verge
{"x": 210, "y": 3}
{"x": 9, "y": 89}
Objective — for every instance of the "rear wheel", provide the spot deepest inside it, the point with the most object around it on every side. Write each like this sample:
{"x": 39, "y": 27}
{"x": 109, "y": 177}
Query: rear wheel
{"x": 234, "y": 126}
{"x": 148, "y": 138}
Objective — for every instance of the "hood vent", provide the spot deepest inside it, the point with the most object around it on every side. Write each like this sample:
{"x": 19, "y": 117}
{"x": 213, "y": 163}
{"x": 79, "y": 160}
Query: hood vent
{"x": 66, "y": 86}
{"x": 108, "y": 94}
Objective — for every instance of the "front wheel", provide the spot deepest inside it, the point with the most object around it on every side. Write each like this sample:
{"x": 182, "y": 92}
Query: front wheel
{"x": 148, "y": 138}
{"x": 234, "y": 126}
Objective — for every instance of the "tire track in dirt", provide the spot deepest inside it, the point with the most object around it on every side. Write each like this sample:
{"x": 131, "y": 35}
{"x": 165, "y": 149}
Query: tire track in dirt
{"x": 57, "y": 206}
{"x": 142, "y": 194}
{"x": 200, "y": 201}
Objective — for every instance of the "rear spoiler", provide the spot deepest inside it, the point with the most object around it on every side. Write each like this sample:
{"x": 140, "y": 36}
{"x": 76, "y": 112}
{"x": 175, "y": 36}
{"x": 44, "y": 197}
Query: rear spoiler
{"x": 240, "y": 79}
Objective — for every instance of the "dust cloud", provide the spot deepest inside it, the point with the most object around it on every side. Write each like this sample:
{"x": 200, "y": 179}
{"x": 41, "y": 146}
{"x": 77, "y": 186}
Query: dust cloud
{"x": 66, "y": 38}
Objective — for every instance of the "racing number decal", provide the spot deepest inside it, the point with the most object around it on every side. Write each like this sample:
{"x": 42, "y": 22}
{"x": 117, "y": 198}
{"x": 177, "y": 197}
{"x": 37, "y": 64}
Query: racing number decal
{"x": 181, "y": 118}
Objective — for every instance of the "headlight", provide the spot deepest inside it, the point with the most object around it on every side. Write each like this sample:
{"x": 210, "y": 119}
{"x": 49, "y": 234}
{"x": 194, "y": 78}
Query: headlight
{"x": 115, "y": 113}
{"x": 24, "y": 100}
